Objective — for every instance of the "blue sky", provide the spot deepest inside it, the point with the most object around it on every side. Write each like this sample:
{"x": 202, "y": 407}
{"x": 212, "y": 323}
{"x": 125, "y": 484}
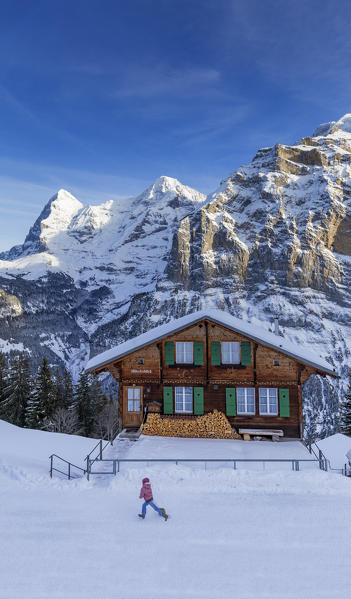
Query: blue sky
{"x": 102, "y": 97}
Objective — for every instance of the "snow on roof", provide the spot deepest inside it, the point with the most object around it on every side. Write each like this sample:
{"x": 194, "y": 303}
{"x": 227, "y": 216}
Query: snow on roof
{"x": 247, "y": 329}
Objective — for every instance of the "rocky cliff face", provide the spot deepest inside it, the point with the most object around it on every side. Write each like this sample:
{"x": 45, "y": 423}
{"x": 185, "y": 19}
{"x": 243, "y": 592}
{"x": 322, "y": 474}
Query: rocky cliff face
{"x": 273, "y": 240}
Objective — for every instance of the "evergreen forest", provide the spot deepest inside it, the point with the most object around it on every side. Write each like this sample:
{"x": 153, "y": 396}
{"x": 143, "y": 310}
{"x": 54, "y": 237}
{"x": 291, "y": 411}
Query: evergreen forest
{"x": 48, "y": 400}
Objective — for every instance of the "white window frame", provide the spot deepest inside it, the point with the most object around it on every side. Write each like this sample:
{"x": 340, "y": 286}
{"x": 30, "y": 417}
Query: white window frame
{"x": 133, "y": 399}
{"x": 265, "y": 394}
{"x": 230, "y": 352}
{"x": 184, "y": 352}
{"x": 182, "y": 394}
{"x": 246, "y": 391}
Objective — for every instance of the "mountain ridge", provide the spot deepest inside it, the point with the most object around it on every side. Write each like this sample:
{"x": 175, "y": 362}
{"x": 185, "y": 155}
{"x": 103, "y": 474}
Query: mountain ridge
{"x": 273, "y": 240}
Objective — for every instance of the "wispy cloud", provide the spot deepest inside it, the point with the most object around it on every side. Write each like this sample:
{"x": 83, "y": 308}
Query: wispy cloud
{"x": 214, "y": 125}
{"x": 160, "y": 80}
{"x": 15, "y": 104}
{"x": 22, "y": 110}
{"x": 302, "y": 48}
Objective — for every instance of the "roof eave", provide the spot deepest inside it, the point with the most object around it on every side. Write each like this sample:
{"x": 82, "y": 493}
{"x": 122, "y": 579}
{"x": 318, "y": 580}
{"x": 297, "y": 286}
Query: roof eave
{"x": 201, "y": 317}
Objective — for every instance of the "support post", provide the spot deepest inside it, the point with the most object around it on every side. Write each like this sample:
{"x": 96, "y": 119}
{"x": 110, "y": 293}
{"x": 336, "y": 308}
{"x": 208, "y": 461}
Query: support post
{"x": 100, "y": 449}
{"x": 69, "y": 470}
{"x": 321, "y": 461}
{"x": 88, "y": 466}
{"x": 114, "y": 467}
{"x": 51, "y": 458}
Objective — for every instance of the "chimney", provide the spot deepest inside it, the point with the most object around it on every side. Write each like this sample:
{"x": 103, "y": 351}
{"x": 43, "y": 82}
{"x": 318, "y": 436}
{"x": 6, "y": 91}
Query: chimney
{"x": 276, "y": 326}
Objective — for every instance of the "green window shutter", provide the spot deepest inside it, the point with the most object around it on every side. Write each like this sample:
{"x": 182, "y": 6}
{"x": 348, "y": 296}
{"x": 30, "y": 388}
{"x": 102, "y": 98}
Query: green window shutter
{"x": 169, "y": 353}
{"x": 284, "y": 403}
{"x": 215, "y": 353}
{"x": 198, "y": 353}
{"x": 198, "y": 400}
{"x": 245, "y": 347}
{"x": 168, "y": 400}
{"x": 230, "y": 403}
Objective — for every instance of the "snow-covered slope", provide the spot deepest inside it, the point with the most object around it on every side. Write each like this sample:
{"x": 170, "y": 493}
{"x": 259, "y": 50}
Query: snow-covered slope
{"x": 273, "y": 240}
{"x": 26, "y": 452}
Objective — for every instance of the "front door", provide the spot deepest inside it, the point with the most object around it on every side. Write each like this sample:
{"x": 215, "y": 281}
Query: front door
{"x": 132, "y": 406}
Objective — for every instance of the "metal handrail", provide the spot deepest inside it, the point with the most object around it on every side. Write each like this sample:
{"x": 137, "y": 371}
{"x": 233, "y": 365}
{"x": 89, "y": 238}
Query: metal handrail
{"x": 295, "y": 463}
{"x": 323, "y": 460}
{"x": 84, "y": 470}
{"x": 328, "y": 464}
{"x": 102, "y": 448}
{"x": 70, "y": 466}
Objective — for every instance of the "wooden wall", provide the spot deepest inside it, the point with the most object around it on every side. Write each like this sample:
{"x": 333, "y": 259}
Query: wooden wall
{"x": 146, "y": 367}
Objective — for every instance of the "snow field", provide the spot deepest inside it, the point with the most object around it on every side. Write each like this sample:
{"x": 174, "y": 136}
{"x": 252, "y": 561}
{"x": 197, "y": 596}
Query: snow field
{"x": 231, "y": 534}
{"x": 248, "y": 534}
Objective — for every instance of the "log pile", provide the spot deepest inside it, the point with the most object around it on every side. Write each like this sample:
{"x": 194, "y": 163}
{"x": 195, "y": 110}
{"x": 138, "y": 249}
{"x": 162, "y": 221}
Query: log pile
{"x": 213, "y": 425}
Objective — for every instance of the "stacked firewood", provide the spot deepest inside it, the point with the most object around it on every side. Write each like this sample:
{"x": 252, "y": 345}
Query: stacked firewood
{"x": 213, "y": 425}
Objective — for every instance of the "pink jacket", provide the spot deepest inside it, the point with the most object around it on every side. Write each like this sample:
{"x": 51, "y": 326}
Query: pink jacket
{"x": 146, "y": 491}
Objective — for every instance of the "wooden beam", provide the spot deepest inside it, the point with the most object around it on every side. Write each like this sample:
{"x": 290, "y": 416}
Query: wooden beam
{"x": 299, "y": 397}
{"x": 159, "y": 347}
{"x": 114, "y": 371}
{"x": 254, "y": 364}
{"x": 207, "y": 349}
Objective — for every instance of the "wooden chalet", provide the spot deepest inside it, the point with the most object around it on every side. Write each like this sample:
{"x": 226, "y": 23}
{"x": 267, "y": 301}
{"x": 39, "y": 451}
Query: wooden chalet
{"x": 210, "y": 360}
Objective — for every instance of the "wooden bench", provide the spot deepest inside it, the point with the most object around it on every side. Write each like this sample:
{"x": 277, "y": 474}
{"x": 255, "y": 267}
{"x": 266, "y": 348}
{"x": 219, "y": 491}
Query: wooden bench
{"x": 253, "y": 432}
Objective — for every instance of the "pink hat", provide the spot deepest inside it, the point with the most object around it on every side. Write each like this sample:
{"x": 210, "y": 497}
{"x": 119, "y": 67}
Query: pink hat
{"x": 146, "y": 480}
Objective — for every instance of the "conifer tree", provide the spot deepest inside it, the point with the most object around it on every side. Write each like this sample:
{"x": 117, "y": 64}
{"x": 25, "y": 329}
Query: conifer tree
{"x": 3, "y": 382}
{"x": 102, "y": 407}
{"x": 63, "y": 390}
{"x": 42, "y": 402}
{"x": 17, "y": 391}
{"x": 345, "y": 412}
{"x": 84, "y": 405}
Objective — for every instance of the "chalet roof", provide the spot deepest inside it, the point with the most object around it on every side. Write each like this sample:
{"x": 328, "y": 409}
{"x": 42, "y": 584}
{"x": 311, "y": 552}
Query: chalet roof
{"x": 247, "y": 329}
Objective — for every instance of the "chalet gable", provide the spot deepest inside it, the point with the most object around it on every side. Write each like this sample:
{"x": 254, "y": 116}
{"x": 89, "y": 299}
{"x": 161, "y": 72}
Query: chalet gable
{"x": 246, "y": 329}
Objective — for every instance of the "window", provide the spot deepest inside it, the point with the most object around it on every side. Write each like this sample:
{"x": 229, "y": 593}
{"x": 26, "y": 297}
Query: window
{"x": 275, "y": 362}
{"x": 184, "y": 352}
{"x": 268, "y": 401}
{"x": 184, "y": 399}
{"x": 133, "y": 399}
{"x": 245, "y": 400}
{"x": 230, "y": 352}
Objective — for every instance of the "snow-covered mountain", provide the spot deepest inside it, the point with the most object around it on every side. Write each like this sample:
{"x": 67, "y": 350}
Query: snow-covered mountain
{"x": 273, "y": 240}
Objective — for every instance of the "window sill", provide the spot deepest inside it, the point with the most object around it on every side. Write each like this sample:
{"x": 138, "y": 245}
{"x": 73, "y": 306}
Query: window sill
{"x": 179, "y": 365}
{"x": 234, "y": 366}
{"x": 246, "y": 414}
{"x": 268, "y": 414}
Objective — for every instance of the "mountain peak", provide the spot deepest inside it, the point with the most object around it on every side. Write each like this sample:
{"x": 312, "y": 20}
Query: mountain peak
{"x": 164, "y": 187}
{"x": 343, "y": 124}
{"x": 55, "y": 216}
{"x": 62, "y": 202}
{"x": 164, "y": 184}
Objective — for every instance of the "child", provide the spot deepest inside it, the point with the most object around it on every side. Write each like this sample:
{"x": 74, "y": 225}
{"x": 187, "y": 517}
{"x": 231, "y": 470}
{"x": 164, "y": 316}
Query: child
{"x": 146, "y": 494}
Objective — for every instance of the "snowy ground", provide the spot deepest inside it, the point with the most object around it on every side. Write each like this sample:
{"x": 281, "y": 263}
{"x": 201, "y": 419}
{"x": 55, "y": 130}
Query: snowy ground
{"x": 247, "y": 534}
{"x": 335, "y": 449}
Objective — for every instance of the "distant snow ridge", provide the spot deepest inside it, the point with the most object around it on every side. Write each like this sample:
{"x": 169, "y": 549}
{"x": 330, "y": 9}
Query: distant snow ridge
{"x": 343, "y": 124}
{"x": 273, "y": 240}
